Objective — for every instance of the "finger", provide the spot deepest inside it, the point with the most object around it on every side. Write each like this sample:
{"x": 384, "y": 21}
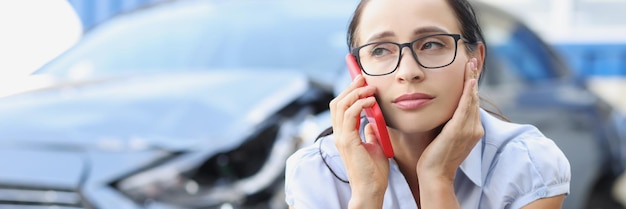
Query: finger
{"x": 339, "y": 103}
{"x": 349, "y": 99}
{"x": 473, "y": 83}
{"x": 358, "y": 81}
{"x": 351, "y": 117}
{"x": 354, "y": 95}
{"x": 474, "y": 106}
{"x": 467, "y": 97}
{"x": 469, "y": 105}
{"x": 471, "y": 70}
{"x": 475, "y": 102}
{"x": 370, "y": 135}
{"x": 353, "y": 113}
{"x": 475, "y": 67}
{"x": 372, "y": 141}
{"x": 468, "y": 72}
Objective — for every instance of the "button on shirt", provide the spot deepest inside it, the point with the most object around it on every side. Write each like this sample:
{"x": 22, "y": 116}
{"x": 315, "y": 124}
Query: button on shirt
{"x": 510, "y": 167}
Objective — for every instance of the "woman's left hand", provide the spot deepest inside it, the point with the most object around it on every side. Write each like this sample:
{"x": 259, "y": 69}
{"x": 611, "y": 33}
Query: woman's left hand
{"x": 458, "y": 137}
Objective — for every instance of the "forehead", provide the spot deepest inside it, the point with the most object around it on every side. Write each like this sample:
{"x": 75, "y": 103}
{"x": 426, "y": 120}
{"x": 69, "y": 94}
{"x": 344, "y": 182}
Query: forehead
{"x": 403, "y": 17}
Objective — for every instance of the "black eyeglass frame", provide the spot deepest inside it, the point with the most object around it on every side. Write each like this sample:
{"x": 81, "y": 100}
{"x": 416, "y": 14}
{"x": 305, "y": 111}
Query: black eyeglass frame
{"x": 457, "y": 37}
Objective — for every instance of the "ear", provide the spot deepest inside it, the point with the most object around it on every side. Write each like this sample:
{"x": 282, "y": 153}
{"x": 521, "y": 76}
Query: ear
{"x": 479, "y": 54}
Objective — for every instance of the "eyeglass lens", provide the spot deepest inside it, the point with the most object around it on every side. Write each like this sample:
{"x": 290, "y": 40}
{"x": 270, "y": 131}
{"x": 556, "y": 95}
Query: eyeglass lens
{"x": 430, "y": 51}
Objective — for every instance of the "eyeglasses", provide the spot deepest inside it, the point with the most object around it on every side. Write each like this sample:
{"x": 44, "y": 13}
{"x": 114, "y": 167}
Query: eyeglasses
{"x": 431, "y": 51}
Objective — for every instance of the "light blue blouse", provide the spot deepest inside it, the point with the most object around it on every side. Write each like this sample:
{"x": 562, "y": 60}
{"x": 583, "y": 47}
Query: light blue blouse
{"x": 512, "y": 166}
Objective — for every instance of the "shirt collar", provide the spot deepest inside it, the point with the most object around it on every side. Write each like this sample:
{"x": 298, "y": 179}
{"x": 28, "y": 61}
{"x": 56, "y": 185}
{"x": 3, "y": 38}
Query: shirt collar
{"x": 472, "y": 166}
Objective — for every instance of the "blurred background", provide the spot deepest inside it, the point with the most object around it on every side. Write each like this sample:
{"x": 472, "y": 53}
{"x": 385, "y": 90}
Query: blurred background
{"x": 197, "y": 103}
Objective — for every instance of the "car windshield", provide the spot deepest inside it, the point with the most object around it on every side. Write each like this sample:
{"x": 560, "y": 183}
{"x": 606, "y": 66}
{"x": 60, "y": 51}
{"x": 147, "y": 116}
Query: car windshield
{"x": 188, "y": 36}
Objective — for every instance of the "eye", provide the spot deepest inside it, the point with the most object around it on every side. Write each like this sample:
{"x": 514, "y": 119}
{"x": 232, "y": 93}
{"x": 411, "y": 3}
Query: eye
{"x": 380, "y": 51}
{"x": 432, "y": 45}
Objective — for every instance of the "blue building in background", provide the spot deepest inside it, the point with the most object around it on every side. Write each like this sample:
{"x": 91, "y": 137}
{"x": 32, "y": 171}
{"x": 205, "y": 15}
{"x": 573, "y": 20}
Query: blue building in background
{"x": 590, "y": 35}
{"x": 595, "y": 59}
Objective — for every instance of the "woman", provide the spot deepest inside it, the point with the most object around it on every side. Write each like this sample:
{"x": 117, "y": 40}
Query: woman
{"x": 449, "y": 153}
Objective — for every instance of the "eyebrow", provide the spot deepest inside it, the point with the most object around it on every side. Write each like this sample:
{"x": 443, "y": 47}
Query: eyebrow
{"x": 423, "y": 30}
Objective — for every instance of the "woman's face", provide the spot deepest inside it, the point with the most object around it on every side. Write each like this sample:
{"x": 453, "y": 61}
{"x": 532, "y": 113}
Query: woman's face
{"x": 414, "y": 99}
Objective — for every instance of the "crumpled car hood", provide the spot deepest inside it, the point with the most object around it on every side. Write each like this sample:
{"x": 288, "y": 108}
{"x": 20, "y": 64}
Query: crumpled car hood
{"x": 64, "y": 146}
{"x": 167, "y": 110}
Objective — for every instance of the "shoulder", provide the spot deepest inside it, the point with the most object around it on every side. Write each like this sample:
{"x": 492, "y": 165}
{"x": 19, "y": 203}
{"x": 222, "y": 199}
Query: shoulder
{"x": 310, "y": 165}
{"x": 321, "y": 157}
{"x": 521, "y": 142}
{"x": 535, "y": 158}
{"x": 526, "y": 165}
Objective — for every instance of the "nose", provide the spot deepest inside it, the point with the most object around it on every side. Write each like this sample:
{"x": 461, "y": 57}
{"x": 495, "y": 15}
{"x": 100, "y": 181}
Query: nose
{"x": 408, "y": 68}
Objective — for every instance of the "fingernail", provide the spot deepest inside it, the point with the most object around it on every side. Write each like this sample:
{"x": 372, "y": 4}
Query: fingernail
{"x": 474, "y": 64}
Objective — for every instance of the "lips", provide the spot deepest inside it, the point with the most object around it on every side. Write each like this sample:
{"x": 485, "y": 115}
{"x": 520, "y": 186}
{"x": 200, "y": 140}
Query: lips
{"x": 412, "y": 101}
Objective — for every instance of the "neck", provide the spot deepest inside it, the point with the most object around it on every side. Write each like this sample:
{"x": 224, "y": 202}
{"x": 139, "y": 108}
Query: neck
{"x": 408, "y": 147}
{"x": 407, "y": 150}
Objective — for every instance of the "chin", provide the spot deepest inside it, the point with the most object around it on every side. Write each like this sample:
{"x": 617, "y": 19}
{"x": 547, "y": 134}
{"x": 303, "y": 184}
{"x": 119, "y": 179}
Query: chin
{"x": 416, "y": 126}
{"x": 428, "y": 119}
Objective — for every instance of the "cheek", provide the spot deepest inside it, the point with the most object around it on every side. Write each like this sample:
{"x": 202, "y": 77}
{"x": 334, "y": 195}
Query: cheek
{"x": 457, "y": 85}
{"x": 450, "y": 85}
{"x": 451, "y": 79}
{"x": 382, "y": 83}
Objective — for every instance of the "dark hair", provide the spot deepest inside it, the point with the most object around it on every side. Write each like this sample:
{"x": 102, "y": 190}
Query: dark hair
{"x": 470, "y": 30}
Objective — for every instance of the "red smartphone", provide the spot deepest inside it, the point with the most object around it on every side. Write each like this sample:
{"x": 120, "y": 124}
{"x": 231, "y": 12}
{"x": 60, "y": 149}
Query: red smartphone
{"x": 374, "y": 114}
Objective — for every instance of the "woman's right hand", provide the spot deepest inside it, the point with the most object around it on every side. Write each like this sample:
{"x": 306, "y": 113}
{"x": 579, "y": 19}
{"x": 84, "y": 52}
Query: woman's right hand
{"x": 366, "y": 165}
